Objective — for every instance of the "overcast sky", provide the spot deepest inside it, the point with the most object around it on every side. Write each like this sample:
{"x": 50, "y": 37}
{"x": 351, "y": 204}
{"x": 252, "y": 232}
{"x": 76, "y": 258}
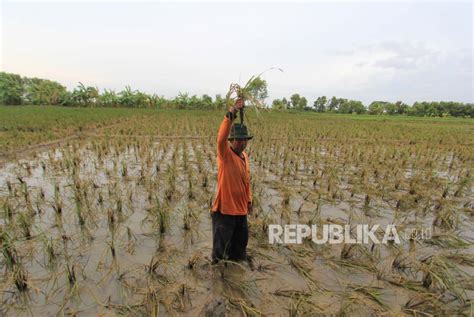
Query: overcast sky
{"x": 365, "y": 51}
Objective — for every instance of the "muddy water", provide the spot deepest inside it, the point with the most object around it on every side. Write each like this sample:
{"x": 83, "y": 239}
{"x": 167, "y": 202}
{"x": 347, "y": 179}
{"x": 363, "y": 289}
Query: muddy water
{"x": 119, "y": 190}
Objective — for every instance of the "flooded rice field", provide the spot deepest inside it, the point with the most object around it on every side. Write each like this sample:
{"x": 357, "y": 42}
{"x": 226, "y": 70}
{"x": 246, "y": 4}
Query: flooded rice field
{"x": 118, "y": 223}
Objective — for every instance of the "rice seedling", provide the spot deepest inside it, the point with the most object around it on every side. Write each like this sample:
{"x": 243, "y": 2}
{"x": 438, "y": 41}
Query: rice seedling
{"x": 26, "y": 196}
{"x": 20, "y": 277}
{"x": 71, "y": 276}
{"x": 7, "y": 211}
{"x": 171, "y": 189}
{"x": 124, "y": 170}
{"x": 9, "y": 187}
{"x": 181, "y": 297}
{"x": 79, "y": 213}
{"x": 161, "y": 216}
{"x": 113, "y": 252}
{"x": 451, "y": 240}
{"x": 193, "y": 261}
{"x": 131, "y": 241}
{"x": 461, "y": 258}
{"x": 368, "y": 297}
{"x": 373, "y": 294}
{"x": 153, "y": 265}
{"x": 245, "y": 308}
{"x": 25, "y": 224}
{"x": 189, "y": 218}
{"x": 50, "y": 251}
{"x": 301, "y": 302}
{"x": 304, "y": 269}
{"x": 191, "y": 194}
{"x": 446, "y": 218}
{"x": 8, "y": 250}
{"x": 204, "y": 180}
{"x": 439, "y": 272}
{"x": 426, "y": 304}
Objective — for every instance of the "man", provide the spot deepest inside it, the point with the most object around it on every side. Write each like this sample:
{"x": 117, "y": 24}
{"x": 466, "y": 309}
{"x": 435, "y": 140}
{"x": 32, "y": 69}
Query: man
{"x": 234, "y": 199}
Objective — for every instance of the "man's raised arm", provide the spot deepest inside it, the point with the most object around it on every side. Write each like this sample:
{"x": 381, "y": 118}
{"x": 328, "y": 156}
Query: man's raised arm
{"x": 224, "y": 129}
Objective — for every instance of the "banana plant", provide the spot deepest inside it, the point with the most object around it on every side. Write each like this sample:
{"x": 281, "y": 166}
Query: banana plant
{"x": 11, "y": 89}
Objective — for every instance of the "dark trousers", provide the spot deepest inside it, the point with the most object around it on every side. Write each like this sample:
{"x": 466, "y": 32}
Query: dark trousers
{"x": 230, "y": 235}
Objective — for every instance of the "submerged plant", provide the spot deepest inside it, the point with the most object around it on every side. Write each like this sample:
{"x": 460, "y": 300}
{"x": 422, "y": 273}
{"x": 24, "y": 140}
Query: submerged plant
{"x": 20, "y": 277}
{"x": 8, "y": 250}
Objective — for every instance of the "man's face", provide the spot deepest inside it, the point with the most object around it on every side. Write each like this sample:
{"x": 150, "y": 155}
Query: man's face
{"x": 239, "y": 145}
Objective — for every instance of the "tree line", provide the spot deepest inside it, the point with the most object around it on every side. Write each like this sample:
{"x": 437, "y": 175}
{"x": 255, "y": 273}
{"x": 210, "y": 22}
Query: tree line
{"x": 18, "y": 90}
{"x": 342, "y": 105}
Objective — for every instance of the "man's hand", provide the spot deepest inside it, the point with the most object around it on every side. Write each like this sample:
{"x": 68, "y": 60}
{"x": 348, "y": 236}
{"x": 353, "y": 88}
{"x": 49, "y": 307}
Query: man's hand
{"x": 249, "y": 208}
{"x": 239, "y": 104}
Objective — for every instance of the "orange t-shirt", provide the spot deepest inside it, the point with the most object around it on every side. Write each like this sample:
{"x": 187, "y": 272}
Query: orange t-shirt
{"x": 233, "y": 176}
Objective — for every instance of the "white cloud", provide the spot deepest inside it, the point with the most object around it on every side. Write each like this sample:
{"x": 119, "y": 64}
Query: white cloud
{"x": 362, "y": 51}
